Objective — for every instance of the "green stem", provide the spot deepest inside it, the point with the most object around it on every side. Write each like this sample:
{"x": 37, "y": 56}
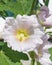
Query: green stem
{"x": 32, "y": 7}
{"x": 32, "y": 62}
{"x": 32, "y": 55}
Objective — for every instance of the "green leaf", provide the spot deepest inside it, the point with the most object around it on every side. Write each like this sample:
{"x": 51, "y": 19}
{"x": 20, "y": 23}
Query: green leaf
{"x": 32, "y": 62}
{"x": 50, "y": 33}
{"x": 38, "y": 63}
{"x": 46, "y": 2}
{"x": 8, "y": 13}
{"x": 1, "y": 43}
{"x": 14, "y": 0}
{"x": 5, "y": 1}
{"x": 50, "y": 51}
{"x": 32, "y": 54}
{"x": 14, "y": 56}
{"x": 4, "y": 60}
{"x": 17, "y": 7}
{"x": 3, "y": 14}
{"x": 34, "y": 7}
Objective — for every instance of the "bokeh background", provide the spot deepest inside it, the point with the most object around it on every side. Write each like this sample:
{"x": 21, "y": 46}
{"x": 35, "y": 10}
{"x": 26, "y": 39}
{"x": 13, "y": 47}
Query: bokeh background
{"x": 14, "y": 7}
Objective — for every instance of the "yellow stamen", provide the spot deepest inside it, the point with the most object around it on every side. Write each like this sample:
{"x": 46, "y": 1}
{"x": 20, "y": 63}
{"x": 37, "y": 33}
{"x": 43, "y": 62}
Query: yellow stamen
{"x": 21, "y": 34}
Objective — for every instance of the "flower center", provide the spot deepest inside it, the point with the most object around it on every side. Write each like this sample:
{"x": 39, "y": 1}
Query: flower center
{"x": 21, "y": 34}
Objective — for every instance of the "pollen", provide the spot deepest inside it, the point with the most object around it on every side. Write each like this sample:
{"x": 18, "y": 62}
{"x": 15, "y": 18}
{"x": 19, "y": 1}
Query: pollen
{"x": 21, "y": 35}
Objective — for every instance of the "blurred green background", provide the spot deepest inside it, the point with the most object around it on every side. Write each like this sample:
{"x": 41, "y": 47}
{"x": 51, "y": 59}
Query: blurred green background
{"x": 14, "y": 7}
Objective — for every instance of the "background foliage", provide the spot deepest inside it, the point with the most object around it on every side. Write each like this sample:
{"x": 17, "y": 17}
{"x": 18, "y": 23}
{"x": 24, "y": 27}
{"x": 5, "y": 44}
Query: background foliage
{"x": 14, "y": 7}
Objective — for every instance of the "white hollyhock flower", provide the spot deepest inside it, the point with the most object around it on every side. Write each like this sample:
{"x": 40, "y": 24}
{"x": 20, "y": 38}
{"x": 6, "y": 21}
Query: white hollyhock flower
{"x": 48, "y": 21}
{"x": 2, "y": 24}
{"x": 22, "y": 33}
{"x": 44, "y": 16}
{"x": 43, "y": 55}
{"x": 45, "y": 59}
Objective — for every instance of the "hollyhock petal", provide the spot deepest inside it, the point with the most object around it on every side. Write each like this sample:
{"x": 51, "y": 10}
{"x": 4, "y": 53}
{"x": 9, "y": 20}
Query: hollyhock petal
{"x": 48, "y": 21}
{"x": 20, "y": 33}
{"x": 2, "y": 25}
{"x": 45, "y": 59}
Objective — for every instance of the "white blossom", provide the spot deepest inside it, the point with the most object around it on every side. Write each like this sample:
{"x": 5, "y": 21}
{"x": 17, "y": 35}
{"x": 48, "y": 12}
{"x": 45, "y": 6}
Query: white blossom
{"x": 48, "y": 21}
{"x": 22, "y": 33}
{"x": 43, "y": 55}
{"x": 2, "y": 24}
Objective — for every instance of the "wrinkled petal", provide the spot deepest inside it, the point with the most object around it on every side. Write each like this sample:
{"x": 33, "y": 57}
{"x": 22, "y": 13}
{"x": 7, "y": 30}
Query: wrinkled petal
{"x": 48, "y": 21}
{"x": 45, "y": 59}
{"x": 30, "y": 25}
{"x": 2, "y": 25}
{"x": 47, "y": 46}
{"x": 44, "y": 13}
